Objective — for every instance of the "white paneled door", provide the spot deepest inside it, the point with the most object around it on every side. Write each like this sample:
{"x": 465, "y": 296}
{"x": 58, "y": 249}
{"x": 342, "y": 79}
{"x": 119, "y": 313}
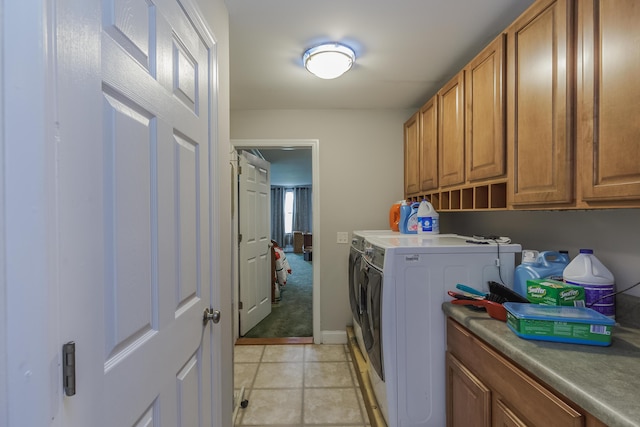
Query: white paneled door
{"x": 133, "y": 193}
{"x": 255, "y": 230}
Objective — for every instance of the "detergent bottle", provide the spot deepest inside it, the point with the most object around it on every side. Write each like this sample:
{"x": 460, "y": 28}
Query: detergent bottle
{"x": 394, "y": 216}
{"x": 428, "y": 218}
{"x": 408, "y": 217}
{"x": 539, "y": 265}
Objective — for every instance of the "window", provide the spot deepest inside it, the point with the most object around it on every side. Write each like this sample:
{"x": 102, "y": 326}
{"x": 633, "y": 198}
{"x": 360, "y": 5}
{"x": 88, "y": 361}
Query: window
{"x": 288, "y": 211}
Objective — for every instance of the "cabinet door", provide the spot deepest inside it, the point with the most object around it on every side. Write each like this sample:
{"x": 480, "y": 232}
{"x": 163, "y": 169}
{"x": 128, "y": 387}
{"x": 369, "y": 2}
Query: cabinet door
{"x": 451, "y": 132}
{"x": 485, "y": 125}
{"x": 609, "y": 100}
{"x": 513, "y": 388}
{"x": 411, "y": 157}
{"x": 429, "y": 145}
{"x": 504, "y": 417}
{"x": 539, "y": 104}
{"x": 468, "y": 400}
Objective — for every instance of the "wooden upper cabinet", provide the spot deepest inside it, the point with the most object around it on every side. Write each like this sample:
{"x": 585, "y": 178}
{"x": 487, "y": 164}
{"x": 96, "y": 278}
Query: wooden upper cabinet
{"x": 451, "y": 149}
{"x": 540, "y": 60}
{"x": 485, "y": 125}
{"x": 428, "y": 145}
{"x": 608, "y": 128}
{"x": 411, "y": 156}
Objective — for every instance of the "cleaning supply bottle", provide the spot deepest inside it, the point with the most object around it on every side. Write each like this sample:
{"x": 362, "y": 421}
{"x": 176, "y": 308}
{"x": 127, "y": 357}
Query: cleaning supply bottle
{"x": 394, "y": 216}
{"x": 539, "y": 265}
{"x": 428, "y": 218}
{"x": 405, "y": 210}
{"x": 587, "y": 271}
{"x": 408, "y": 217}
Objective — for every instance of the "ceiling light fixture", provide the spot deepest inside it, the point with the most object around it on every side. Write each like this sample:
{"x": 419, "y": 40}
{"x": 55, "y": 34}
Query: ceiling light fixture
{"x": 329, "y": 60}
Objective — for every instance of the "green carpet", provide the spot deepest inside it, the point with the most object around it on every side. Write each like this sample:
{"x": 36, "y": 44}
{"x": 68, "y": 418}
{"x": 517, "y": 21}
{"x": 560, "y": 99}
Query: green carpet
{"x": 292, "y": 315}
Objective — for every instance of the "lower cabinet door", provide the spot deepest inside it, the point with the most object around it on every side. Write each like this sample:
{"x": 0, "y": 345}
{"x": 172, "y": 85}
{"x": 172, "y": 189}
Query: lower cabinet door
{"x": 503, "y": 416}
{"x": 468, "y": 399}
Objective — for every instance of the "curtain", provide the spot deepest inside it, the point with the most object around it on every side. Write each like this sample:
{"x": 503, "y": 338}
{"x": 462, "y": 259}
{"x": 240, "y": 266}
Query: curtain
{"x": 302, "y": 213}
{"x": 277, "y": 215}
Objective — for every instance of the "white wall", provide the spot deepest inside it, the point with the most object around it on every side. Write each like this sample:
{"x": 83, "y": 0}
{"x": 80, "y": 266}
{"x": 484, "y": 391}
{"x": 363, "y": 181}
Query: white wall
{"x": 614, "y": 235}
{"x": 361, "y": 175}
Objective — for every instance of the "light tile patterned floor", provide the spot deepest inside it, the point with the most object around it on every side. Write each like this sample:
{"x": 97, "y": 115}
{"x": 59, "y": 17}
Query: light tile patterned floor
{"x": 298, "y": 385}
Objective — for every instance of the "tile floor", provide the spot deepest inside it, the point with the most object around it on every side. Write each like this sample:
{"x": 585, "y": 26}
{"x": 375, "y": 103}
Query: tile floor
{"x": 298, "y": 385}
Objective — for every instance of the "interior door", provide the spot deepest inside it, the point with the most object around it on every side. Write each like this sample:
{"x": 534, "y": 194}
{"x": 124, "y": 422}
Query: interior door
{"x": 134, "y": 92}
{"x": 255, "y": 230}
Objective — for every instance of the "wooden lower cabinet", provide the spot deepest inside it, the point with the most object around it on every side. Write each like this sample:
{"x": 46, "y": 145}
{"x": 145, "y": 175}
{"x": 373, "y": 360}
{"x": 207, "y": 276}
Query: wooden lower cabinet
{"x": 468, "y": 400}
{"x": 484, "y": 388}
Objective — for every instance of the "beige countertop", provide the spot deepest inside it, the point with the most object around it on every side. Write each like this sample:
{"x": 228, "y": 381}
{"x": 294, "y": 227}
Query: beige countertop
{"x": 605, "y": 381}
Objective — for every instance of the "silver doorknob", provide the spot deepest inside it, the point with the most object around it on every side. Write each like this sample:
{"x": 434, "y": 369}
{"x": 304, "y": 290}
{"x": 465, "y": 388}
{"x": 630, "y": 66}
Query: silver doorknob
{"x": 210, "y": 314}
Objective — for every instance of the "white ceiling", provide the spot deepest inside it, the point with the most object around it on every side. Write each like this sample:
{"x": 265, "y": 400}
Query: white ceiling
{"x": 405, "y": 49}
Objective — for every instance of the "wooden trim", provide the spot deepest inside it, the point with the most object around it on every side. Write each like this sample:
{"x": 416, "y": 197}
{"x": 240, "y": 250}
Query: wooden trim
{"x": 376, "y": 419}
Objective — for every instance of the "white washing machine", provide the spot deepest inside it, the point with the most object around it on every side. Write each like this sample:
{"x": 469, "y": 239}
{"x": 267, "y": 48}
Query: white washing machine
{"x": 356, "y": 289}
{"x": 408, "y": 278}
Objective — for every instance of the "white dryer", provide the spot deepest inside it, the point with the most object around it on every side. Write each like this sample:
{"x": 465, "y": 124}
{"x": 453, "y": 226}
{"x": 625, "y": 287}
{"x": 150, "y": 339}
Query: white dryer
{"x": 411, "y": 276}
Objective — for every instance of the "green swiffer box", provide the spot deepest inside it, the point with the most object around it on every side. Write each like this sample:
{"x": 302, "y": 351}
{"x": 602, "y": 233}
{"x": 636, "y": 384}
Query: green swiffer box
{"x": 554, "y": 292}
{"x": 577, "y": 325}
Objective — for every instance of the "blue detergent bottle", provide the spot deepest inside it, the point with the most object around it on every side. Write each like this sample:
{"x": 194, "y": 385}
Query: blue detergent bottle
{"x": 408, "y": 217}
{"x": 539, "y": 265}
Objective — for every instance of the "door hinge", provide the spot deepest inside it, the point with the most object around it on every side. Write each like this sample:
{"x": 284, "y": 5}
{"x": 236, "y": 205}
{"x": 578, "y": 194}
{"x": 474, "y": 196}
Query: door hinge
{"x": 240, "y": 305}
{"x": 239, "y": 238}
{"x": 69, "y": 368}
{"x": 239, "y": 170}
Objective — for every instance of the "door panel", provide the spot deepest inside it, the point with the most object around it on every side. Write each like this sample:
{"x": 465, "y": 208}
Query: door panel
{"x": 129, "y": 308}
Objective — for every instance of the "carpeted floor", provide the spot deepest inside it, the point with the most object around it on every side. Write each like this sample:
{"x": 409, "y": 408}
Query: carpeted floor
{"x": 292, "y": 315}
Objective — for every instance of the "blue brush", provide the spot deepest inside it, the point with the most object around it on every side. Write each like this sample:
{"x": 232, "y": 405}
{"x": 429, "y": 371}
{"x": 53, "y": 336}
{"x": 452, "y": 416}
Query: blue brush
{"x": 471, "y": 290}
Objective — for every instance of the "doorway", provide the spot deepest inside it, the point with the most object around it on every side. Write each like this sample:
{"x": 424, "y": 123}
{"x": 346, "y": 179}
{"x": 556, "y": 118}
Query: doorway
{"x": 307, "y": 144}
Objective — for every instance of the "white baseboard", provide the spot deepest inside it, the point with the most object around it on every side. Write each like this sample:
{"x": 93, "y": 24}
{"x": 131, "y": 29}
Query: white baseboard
{"x": 334, "y": 337}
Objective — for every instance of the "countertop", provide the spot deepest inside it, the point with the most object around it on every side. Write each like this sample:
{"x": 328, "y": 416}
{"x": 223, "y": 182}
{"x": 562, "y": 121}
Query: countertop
{"x": 604, "y": 381}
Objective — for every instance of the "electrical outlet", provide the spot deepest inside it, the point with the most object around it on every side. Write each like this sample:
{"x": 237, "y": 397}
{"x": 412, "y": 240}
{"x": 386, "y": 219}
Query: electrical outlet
{"x": 343, "y": 237}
